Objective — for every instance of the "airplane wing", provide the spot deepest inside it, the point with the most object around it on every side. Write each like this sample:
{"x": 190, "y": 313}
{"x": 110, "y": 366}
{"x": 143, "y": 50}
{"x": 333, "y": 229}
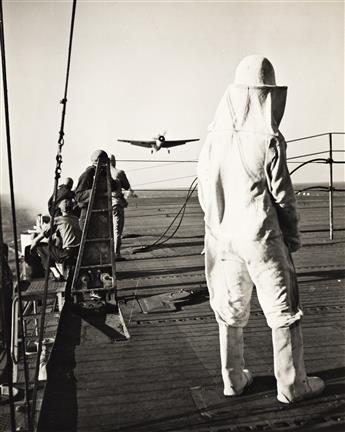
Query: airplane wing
{"x": 175, "y": 143}
{"x": 147, "y": 144}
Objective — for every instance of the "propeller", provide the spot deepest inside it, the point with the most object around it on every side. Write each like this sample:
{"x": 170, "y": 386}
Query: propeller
{"x": 161, "y": 137}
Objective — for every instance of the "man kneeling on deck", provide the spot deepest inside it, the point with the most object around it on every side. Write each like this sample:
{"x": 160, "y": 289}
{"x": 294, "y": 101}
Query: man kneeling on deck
{"x": 251, "y": 228}
{"x": 67, "y": 236}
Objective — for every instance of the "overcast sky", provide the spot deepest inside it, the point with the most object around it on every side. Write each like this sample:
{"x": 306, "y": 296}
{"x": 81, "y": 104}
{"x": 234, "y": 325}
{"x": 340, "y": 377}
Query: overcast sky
{"x": 139, "y": 68}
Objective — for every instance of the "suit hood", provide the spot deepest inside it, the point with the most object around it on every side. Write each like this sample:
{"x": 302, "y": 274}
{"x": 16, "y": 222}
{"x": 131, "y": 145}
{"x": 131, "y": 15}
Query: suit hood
{"x": 253, "y": 102}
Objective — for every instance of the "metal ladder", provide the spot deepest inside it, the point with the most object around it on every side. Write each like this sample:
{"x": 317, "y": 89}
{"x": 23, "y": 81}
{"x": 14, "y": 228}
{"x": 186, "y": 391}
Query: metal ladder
{"x": 94, "y": 284}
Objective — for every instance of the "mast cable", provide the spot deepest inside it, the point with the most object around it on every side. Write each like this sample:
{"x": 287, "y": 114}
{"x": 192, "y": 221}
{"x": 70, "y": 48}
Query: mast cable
{"x": 50, "y": 239}
{"x": 14, "y": 220}
{"x": 6, "y": 336}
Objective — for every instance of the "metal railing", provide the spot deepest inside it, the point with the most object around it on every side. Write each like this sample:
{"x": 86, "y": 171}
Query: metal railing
{"x": 329, "y": 160}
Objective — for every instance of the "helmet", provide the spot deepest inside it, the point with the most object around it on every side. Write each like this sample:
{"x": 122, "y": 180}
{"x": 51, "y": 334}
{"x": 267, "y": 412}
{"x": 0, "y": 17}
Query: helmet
{"x": 97, "y": 154}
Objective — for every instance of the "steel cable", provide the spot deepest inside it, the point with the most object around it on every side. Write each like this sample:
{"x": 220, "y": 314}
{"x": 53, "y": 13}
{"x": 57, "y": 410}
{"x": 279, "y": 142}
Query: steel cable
{"x": 57, "y": 176}
{"x": 182, "y": 210}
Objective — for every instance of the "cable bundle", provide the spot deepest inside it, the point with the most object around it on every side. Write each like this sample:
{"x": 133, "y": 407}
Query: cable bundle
{"x": 181, "y": 212}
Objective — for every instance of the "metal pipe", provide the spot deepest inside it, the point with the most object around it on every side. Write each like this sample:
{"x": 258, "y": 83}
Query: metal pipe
{"x": 330, "y": 194}
{"x": 3, "y": 319}
{"x": 315, "y": 136}
{"x": 14, "y": 331}
{"x": 13, "y": 210}
{"x": 308, "y": 162}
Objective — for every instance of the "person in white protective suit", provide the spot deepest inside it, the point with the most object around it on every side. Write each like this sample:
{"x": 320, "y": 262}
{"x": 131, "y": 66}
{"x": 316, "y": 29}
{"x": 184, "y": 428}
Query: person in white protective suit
{"x": 251, "y": 228}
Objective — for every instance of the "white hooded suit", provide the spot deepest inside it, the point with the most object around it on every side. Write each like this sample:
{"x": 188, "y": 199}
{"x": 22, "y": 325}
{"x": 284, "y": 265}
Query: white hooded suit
{"x": 251, "y": 222}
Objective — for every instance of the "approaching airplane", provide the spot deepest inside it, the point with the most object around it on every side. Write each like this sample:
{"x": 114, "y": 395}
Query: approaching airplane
{"x": 159, "y": 142}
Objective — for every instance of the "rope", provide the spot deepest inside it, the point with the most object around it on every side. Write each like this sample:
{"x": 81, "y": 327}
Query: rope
{"x": 57, "y": 176}
{"x": 64, "y": 100}
{"x": 14, "y": 220}
{"x": 182, "y": 210}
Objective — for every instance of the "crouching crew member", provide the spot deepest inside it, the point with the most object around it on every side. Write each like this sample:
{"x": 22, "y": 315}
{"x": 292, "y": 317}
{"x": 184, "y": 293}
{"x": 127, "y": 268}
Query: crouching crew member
{"x": 66, "y": 237}
{"x": 64, "y": 192}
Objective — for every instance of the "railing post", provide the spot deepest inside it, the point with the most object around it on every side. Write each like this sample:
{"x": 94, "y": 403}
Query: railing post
{"x": 330, "y": 192}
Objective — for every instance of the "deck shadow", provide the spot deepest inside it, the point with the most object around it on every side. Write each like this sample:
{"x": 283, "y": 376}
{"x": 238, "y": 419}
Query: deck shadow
{"x": 99, "y": 322}
{"x": 331, "y": 373}
{"x": 256, "y": 407}
{"x": 60, "y": 406}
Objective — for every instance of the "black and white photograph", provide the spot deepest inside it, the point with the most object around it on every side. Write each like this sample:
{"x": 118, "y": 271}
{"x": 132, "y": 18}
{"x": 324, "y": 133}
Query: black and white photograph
{"x": 172, "y": 224}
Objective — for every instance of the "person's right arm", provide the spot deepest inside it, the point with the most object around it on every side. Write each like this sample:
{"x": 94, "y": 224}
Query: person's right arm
{"x": 44, "y": 233}
{"x": 282, "y": 193}
{"x": 36, "y": 240}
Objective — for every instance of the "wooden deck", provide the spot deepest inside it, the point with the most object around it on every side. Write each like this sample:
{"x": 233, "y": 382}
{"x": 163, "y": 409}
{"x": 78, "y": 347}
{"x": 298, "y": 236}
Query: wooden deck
{"x": 167, "y": 376}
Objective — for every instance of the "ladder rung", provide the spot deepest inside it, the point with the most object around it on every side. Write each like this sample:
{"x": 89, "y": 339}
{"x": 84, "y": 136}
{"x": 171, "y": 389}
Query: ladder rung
{"x": 37, "y": 315}
{"x": 99, "y": 210}
{"x": 31, "y": 337}
{"x": 31, "y": 316}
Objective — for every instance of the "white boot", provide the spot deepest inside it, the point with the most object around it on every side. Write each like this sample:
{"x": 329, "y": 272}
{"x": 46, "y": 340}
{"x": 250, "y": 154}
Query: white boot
{"x": 293, "y": 384}
{"x": 235, "y": 377}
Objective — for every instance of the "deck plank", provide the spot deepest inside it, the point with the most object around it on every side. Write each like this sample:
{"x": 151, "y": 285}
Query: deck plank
{"x": 156, "y": 380}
